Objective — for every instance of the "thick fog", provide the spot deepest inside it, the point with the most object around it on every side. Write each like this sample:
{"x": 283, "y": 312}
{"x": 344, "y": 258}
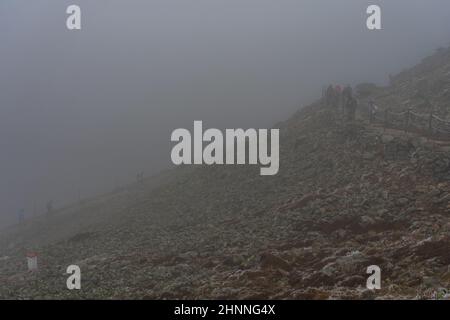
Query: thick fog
{"x": 83, "y": 111}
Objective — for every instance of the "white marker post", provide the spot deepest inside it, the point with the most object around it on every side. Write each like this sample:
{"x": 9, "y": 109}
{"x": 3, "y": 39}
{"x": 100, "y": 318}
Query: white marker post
{"x": 32, "y": 261}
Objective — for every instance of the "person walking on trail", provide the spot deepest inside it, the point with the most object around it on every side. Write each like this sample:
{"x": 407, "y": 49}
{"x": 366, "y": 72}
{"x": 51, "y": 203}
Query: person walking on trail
{"x": 352, "y": 105}
{"x": 21, "y": 216}
{"x": 329, "y": 96}
{"x": 49, "y": 207}
{"x": 140, "y": 177}
{"x": 338, "y": 96}
{"x": 347, "y": 94}
{"x": 333, "y": 97}
{"x": 372, "y": 110}
{"x": 338, "y": 102}
{"x": 324, "y": 94}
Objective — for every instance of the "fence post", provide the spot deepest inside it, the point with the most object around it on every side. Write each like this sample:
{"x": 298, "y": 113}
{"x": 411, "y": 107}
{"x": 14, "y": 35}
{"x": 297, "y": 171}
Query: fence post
{"x": 386, "y": 118}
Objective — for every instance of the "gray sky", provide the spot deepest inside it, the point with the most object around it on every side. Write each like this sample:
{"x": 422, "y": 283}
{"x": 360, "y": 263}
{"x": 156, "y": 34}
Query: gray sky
{"x": 88, "y": 109}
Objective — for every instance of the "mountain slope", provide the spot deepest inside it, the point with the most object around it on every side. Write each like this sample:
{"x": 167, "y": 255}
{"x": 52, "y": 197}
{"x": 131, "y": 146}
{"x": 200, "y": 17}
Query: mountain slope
{"x": 347, "y": 196}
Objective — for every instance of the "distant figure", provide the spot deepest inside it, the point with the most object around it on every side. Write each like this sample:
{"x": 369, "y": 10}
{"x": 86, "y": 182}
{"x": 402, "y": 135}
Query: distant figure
{"x": 372, "y": 110}
{"x": 49, "y": 207}
{"x": 391, "y": 79}
{"x": 140, "y": 177}
{"x": 324, "y": 94}
{"x": 329, "y": 95}
{"x": 21, "y": 216}
{"x": 338, "y": 96}
{"x": 351, "y": 106}
{"x": 347, "y": 94}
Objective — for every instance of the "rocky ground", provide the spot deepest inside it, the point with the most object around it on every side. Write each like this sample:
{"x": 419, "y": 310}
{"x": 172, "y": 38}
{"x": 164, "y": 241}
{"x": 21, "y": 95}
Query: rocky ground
{"x": 348, "y": 195}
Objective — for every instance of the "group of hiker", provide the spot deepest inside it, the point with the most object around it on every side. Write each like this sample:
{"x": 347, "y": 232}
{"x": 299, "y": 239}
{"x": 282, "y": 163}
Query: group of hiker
{"x": 343, "y": 99}
{"x": 21, "y": 216}
{"x": 49, "y": 206}
{"x": 338, "y": 98}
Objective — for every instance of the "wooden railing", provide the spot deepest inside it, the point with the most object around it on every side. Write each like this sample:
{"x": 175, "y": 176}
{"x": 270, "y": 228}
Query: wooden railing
{"x": 409, "y": 121}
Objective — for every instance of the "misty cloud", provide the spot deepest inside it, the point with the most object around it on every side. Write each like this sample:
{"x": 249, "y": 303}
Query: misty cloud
{"x": 82, "y": 112}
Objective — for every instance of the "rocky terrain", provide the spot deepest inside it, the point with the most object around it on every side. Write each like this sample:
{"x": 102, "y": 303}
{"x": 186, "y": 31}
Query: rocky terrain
{"x": 347, "y": 196}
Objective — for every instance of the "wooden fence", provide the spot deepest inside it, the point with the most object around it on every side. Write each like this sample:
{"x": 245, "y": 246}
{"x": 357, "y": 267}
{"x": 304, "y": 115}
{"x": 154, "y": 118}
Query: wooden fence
{"x": 409, "y": 121}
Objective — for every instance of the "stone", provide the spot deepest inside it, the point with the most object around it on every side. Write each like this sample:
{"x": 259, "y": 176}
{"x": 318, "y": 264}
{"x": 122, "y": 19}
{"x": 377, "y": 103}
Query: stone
{"x": 269, "y": 260}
